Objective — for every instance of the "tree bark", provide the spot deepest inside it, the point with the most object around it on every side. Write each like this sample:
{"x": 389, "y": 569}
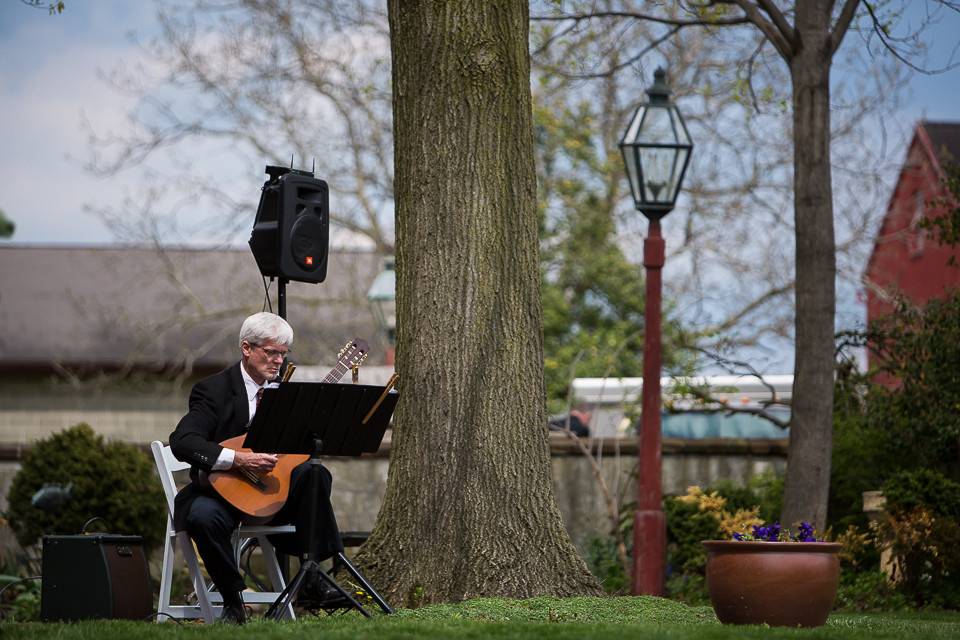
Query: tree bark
{"x": 469, "y": 508}
{"x": 811, "y": 432}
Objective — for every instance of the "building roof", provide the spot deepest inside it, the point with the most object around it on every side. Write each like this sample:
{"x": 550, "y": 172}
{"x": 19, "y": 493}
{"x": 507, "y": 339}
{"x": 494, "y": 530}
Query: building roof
{"x": 115, "y": 306}
{"x": 944, "y": 140}
{"x": 939, "y": 144}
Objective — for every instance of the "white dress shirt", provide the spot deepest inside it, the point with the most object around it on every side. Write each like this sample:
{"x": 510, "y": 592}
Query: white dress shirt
{"x": 225, "y": 459}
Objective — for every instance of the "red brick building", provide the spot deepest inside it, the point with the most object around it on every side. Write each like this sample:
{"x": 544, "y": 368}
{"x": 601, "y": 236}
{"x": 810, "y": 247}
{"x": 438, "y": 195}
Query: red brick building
{"x": 906, "y": 260}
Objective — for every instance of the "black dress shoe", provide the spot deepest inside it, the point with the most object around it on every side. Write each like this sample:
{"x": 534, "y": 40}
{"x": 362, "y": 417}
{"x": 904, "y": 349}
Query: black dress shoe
{"x": 233, "y": 614}
{"x": 317, "y": 593}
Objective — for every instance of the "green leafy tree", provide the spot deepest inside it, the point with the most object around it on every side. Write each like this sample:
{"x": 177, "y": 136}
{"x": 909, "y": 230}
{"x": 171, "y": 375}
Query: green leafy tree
{"x": 875, "y": 425}
{"x": 806, "y": 37}
{"x": 114, "y": 481}
{"x": 593, "y": 296}
{"x": 946, "y": 226}
{"x": 53, "y": 8}
{"x": 920, "y": 347}
{"x": 7, "y": 226}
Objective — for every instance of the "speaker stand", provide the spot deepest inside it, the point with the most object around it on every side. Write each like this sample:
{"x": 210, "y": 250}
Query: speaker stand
{"x": 282, "y": 297}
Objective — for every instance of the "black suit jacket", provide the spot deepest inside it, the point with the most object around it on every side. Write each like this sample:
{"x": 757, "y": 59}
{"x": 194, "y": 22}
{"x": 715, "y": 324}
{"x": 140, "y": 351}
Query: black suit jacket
{"x": 218, "y": 410}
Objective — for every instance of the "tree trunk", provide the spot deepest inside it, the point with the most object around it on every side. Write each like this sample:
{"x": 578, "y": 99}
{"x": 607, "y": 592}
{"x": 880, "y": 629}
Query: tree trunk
{"x": 469, "y": 508}
{"x": 811, "y": 431}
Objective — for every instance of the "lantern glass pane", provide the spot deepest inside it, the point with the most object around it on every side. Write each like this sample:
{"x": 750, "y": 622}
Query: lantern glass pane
{"x": 679, "y": 162}
{"x": 658, "y": 167}
{"x": 657, "y": 127}
{"x": 683, "y": 137}
{"x": 630, "y": 160}
{"x": 631, "y": 134}
{"x": 388, "y": 311}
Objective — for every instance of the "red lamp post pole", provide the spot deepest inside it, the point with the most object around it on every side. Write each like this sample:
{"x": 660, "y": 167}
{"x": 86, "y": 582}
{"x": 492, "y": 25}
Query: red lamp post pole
{"x": 649, "y": 524}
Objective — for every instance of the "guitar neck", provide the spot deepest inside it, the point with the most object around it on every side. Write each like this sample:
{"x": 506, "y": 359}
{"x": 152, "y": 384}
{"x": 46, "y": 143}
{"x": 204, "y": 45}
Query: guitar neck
{"x": 337, "y": 372}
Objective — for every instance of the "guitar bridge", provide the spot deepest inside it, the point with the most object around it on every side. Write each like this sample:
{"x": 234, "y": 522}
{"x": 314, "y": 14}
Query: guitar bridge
{"x": 255, "y": 480}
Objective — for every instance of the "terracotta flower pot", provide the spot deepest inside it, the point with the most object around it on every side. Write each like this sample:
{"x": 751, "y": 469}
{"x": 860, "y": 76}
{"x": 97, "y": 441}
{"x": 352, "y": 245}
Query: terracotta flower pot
{"x": 786, "y": 584}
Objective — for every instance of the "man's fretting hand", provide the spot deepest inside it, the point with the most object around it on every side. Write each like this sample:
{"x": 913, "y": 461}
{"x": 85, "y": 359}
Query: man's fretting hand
{"x": 254, "y": 462}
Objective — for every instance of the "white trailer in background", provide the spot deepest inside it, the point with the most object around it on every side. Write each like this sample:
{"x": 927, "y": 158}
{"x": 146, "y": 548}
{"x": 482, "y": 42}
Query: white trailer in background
{"x": 615, "y": 406}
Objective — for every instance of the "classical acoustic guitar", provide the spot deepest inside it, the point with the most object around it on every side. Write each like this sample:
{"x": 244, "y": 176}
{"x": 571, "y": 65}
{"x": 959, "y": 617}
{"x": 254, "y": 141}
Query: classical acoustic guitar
{"x": 261, "y": 496}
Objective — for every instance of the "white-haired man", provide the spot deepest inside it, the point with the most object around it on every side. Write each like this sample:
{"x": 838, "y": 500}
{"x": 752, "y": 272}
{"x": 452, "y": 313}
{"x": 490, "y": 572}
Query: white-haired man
{"x": 222, "y": 407}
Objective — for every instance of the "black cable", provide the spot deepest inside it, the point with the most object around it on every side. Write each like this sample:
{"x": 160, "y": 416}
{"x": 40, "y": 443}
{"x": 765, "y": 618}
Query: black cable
{"x": 267, "y": 305}
{"x": 246, "y": 554}
{"x": 83, "y": 529}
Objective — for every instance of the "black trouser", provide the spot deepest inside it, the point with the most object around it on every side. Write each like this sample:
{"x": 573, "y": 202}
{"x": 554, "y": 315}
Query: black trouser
{"x": 211, "y": 522}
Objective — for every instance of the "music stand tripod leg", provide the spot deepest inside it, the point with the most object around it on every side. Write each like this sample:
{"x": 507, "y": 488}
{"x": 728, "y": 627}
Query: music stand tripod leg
{"x": 289, "y": 594}
{"x": 342, "y": 559}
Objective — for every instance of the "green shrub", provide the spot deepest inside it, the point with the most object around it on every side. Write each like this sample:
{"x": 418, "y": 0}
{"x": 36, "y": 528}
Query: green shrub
{"x": 923, "y": 488}
{"x": 869, "y": 591}
{"x": 21, "y": 599}
{"x": 860, "y": 455}
{"x": 913, "y": 410}
{"x": 689, "y": 588}
{"x": 922, "y": 530}
{"x": 764, "y": 490}
{"x": 687, "y": 527}
{"x": 692, "y": 519}
{"x": 604, "y": 563}
{"x": 111, "y": 480}
{"x": 919, "y": 348}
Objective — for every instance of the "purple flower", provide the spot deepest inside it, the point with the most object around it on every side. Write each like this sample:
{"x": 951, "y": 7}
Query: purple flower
{"x": 806, "y": 533}
{"x": 776, "y": 533}
{"x": 768, "y": 533}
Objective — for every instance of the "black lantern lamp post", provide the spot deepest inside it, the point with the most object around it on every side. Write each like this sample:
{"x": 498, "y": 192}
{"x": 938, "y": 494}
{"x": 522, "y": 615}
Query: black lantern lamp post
{"x": 656, "y": 150}
{"x": 383, "y": 302}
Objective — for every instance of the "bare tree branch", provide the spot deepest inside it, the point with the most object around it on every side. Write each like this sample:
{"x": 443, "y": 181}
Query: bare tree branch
{"x": 633, "y": 15}
{"x": 782, "y": 41}
{"x": 889, "y": 44}
{"x": 847, "y": 13}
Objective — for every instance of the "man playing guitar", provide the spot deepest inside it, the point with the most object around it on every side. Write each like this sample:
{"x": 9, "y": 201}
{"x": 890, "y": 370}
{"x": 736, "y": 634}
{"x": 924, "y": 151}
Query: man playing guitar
{"x": 221, "y": 407}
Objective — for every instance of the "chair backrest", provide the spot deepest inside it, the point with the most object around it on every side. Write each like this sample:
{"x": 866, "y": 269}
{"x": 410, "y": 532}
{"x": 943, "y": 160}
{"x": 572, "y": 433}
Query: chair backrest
{"x": 167, "y": 465}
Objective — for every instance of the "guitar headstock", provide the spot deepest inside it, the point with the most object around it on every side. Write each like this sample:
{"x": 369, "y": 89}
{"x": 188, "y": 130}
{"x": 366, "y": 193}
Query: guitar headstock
{"x": 353, "y": 353}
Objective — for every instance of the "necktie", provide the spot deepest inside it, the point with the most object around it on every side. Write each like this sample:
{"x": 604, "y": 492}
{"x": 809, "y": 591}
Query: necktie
{"x": 259, "y": 396}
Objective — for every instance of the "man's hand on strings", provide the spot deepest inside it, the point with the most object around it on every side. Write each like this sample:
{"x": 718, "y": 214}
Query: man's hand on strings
{"x": 254, "y": 462}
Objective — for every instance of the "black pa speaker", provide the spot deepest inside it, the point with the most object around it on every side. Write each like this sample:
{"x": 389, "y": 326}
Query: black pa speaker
{"x": 95, "y": 576}
{"x": 291, "y": 233}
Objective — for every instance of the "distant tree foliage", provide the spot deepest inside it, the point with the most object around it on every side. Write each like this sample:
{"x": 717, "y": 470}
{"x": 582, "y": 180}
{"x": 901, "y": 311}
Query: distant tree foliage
{"x": 914, "y": 425}
{"x": 114, "y": 481}
{"x": 593, "y": 296}
{"x": 7, "y": 227}
{"x": 946, "y": 227}
{"x": 53, "y": 8}
{"x": 920, "y": 346}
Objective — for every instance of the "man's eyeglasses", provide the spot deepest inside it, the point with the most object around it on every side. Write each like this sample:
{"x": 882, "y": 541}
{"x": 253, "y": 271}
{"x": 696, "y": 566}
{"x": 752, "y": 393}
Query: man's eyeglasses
{"x": 272, "y": 354}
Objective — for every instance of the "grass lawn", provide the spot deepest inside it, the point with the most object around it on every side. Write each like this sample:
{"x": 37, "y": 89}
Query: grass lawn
{"x": 574, "y": 618}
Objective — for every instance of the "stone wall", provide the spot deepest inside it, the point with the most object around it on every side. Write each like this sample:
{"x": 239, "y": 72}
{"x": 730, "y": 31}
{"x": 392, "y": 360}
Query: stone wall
{"x": 33, "y": 409}
{"x": 359, "y": 484}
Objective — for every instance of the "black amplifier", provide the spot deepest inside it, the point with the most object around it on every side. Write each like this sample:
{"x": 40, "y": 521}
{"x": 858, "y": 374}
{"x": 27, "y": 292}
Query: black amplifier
{"x": 95, "y": 576}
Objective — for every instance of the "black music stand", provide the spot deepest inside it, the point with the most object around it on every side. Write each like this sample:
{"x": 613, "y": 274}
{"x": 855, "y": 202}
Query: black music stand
{"x": 319, "y": 418}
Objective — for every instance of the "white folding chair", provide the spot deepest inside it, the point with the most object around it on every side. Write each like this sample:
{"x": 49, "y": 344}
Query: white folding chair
{"x": 209, "y": 602}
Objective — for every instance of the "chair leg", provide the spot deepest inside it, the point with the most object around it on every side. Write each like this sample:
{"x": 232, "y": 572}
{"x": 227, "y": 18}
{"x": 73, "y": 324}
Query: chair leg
{"x": 273, "y": 571}
{"x": 166, "y": 577}
{"x": 199, "y": 585}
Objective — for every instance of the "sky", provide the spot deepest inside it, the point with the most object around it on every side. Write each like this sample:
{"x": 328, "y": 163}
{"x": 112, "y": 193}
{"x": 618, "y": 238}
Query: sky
{"x": 48, "y": 85}
{"x": 51, "y": 83}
